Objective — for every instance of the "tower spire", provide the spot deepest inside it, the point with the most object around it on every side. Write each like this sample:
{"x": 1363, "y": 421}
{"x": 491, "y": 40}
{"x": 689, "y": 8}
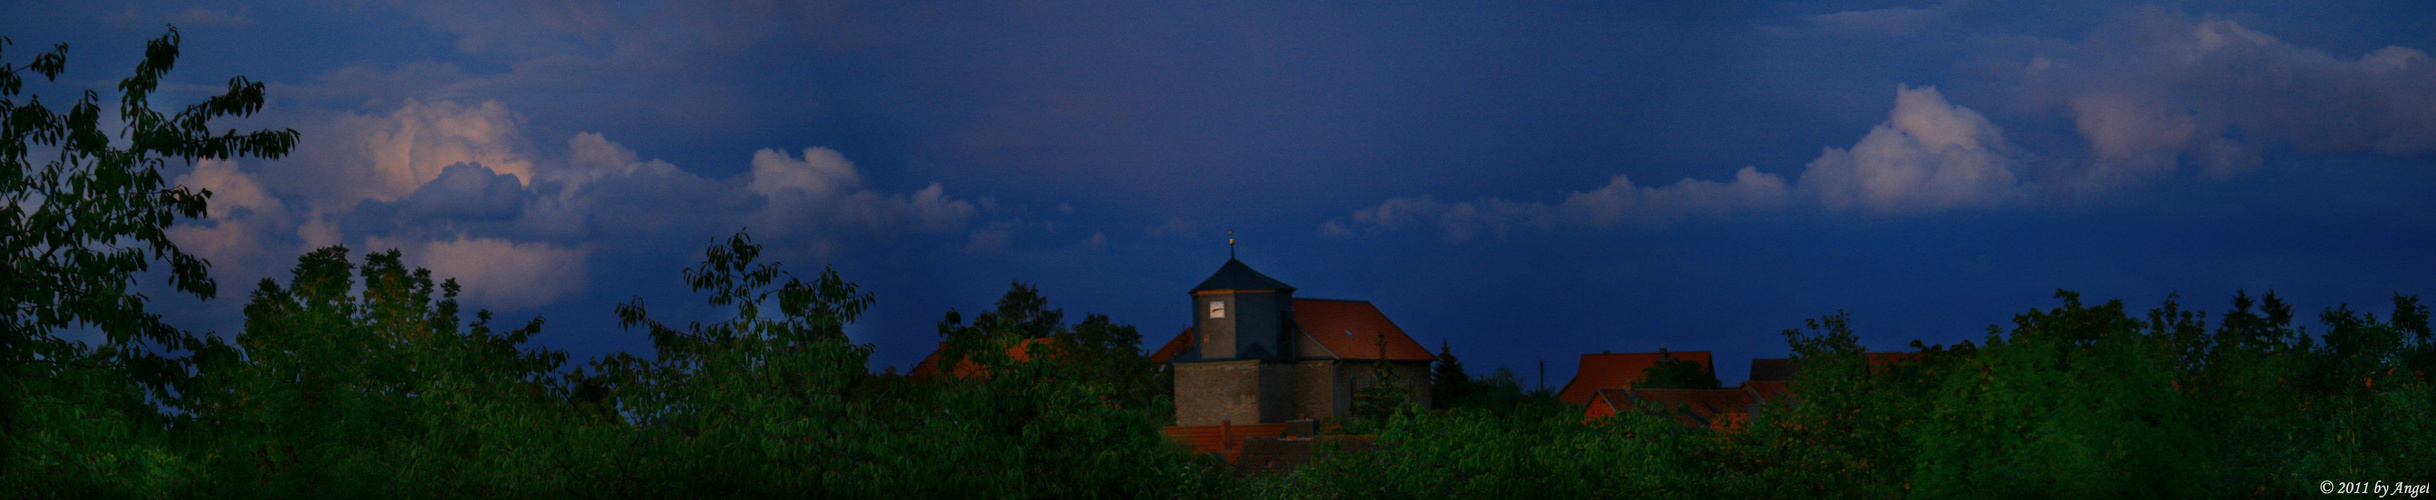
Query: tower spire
{"x": 1230, "y": 244}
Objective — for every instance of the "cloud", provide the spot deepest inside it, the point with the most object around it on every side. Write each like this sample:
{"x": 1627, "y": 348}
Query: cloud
{"x": 822, "y": 173}
{"x": 349, "y": 157}
{"x": 2148, "y": 92}
{"x": 1889, "y": 22}
{"x": 1619, "y": 203}
{"x": 243, "y": 223}
{"x": 461, "y": 190}
{"x": 2151, "y": 91}
{"x": 498, "y": 273}
{"x": 1929, "y": 155}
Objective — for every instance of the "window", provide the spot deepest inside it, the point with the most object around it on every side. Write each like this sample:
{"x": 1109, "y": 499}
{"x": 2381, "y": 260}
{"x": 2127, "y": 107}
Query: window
{"x": 1217, "y": 309}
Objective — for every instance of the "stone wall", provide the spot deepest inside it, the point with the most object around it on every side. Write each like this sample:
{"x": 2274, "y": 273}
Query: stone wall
{"x": 1319, "y": 389}
{"x": 1277, "y": 392}
{"x": 1210, "y": 392}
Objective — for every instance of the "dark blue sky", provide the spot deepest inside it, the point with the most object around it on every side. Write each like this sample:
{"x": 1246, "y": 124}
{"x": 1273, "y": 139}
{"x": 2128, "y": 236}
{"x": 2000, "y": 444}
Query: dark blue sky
{"x": 1527, "y": 181}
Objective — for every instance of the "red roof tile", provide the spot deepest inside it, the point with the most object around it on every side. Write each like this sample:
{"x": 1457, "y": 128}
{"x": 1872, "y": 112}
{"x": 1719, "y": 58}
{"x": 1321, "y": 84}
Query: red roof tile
{"x": 1223, "y": 439}
{"x": 1021, "y": 351}
{"x": 1715, "y": 408}
{"x": 1174, "y": 347}
{"x": 1617, "y": 371}
{"x": 1350, "y": 329}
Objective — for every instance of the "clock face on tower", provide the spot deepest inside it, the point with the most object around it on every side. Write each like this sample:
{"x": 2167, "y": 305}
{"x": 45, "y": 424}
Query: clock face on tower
{"x": 1217, "y": 309}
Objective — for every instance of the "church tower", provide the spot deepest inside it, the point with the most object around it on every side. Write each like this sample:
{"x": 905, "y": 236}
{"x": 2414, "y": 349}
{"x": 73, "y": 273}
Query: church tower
{"x": 1239, "y": 313}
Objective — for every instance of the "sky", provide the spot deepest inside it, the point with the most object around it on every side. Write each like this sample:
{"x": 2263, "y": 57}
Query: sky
{"x": 1520, "y": 181}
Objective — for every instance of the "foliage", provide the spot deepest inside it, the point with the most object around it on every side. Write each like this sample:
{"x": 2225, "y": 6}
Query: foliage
{"x": 1383, "y": 394}
{"x": 1671, "y": 373}
{"x": 75, "y": 230}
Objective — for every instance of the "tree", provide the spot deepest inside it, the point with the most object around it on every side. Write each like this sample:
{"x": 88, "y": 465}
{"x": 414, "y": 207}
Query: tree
{"x": 376, "y": 380}
{"x": 75, "y": 229}
{"x": 1023, "y": 311}
{"x": 1385, "y": 392}
{"x": 1448, "y": 384}
{"x": 1671, "y": 373}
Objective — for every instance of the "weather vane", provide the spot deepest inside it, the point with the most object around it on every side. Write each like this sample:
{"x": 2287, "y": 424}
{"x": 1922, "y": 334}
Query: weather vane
{"x": 1230, "y": 244}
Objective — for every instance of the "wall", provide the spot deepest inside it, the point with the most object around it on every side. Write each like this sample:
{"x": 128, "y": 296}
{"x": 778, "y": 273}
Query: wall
{"x": 1319, "y": 394}
{"x": 1214, "y": 391}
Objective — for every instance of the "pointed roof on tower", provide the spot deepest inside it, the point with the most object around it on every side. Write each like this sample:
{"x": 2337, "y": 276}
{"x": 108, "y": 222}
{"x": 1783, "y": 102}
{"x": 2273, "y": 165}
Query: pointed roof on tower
{"x": 1237, "y": 276}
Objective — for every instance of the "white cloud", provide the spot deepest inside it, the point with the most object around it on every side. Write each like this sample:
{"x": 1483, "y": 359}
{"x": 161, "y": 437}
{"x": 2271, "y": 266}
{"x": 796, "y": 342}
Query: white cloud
{"x": 2152, "y": 90}
{"x": 1929, "y": 155}
{"x": 822, "y": 173}
{"x": 243, "y": 224}
{"x": 498, "y": 273}
{"x": 459, "y": 189}
{"x": 348, "y": 157}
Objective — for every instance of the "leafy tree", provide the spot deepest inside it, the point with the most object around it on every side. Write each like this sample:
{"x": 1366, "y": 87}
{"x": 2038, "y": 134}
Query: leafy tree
{"x": 1023, "y": 311}
{"x": 1104, "y": 351}
{"x": 2078, "y": 401}
{"x": 75, "y": 229}
{"x": 1671, "y": 373}
{"x": 335, "y": 378}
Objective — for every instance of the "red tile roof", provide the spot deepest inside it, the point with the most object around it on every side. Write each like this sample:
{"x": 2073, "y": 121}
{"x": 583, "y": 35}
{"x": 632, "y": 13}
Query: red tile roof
{"x": 1222, "y": 439}
{"x": 1174, "y": 347}
{"x": 1350, "y": 329}
{"x": 1713, "y": 408}
{"x": 1021, "y": 351}
{"x": 1617, "y": 371}
{"x": 1769, "y": 390}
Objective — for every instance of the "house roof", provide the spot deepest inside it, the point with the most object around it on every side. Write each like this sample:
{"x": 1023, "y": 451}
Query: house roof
{"x": 1691, "y": 407}
{"x": 1234, "y": 275}
{"x": 1350, "y": 329}
{"x": 1772, "y": 369}
{"x": 1021, "y": 351}
{"x": 1617, "y": 371}
{"x": 1770, "y": 390}
{"x": 1174, "y": 347}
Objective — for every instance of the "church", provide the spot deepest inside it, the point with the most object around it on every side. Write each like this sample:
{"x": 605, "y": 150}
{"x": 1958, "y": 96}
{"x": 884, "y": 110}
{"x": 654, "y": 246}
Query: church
{"x": 1257, "y": 355}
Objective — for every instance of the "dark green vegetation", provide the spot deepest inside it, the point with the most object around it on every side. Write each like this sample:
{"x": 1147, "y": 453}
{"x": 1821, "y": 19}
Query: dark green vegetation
{"x": 360, "y": 379}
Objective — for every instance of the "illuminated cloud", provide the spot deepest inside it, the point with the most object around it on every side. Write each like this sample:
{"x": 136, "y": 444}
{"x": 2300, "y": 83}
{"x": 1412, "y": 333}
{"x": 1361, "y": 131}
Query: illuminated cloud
{"x": 1929, "y": 155}
{"x": 461, "y": 191}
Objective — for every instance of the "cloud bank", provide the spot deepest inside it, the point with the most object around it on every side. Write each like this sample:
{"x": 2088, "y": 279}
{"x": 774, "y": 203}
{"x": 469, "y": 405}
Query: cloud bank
{"x": 2150, "y": 94}
{"x": 1929, "y": 155}
{"x": 463, "y": 192}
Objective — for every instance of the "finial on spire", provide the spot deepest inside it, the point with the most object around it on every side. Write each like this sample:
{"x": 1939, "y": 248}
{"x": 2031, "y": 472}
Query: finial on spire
{"x": 1230, "y": 244}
